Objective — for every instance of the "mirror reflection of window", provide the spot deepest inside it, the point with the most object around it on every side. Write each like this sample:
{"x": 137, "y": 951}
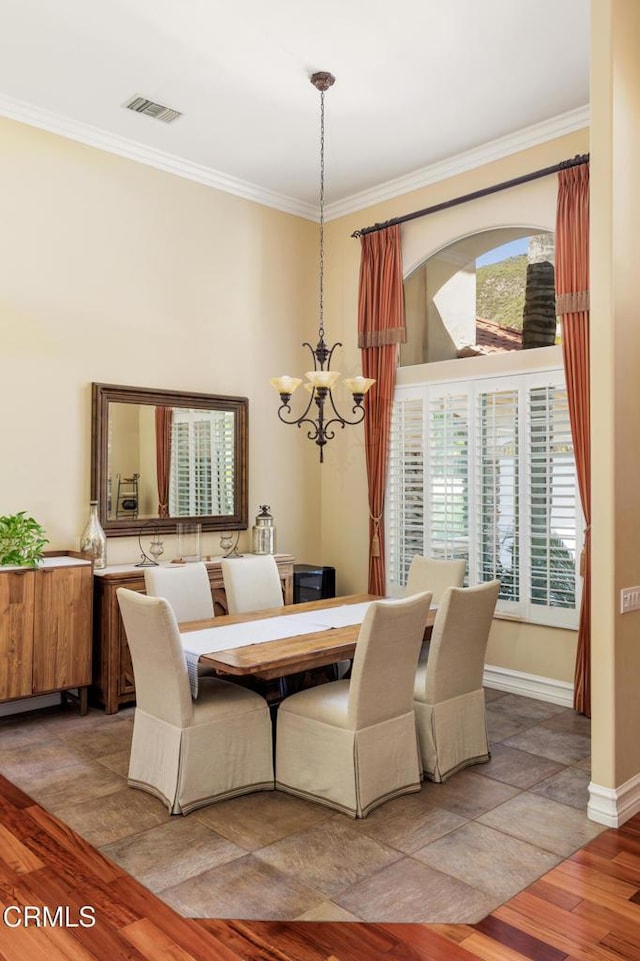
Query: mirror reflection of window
{"x": 487, "y": 293}
{"x": 202, "y": 463}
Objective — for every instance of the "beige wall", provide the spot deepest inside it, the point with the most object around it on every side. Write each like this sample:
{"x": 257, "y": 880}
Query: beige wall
{"x": 534, "y": 650}
{"x": 124, "y": 446}
{"x": 148, "y": 481}
{"x": 414, "y": 350}
{"x": 115, "y": 272}
{"x": 615, "y": 397}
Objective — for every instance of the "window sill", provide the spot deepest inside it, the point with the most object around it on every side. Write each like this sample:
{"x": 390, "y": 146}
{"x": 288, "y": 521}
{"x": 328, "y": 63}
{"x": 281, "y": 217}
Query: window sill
{"x": 516, "y": 619}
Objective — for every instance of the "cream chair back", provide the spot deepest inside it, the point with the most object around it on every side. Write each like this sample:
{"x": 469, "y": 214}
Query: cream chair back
{"x": 385, "y": 660}
{"x": 429, "y": 574}
{"x": 251, "y": 583}
{"x": 189, "y": 753}
{"x": 459, "y": 642}
{"x": 160, "y": 671}
{"x": 186, "y": 587}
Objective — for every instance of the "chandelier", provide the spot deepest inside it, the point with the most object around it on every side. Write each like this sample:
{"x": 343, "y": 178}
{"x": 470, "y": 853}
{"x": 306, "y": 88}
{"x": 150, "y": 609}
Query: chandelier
{"x": 321, "y": 380}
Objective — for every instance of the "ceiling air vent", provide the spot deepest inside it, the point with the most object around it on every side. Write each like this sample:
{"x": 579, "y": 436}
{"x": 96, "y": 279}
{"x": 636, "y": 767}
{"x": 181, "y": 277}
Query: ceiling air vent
{"x": 151, "y": 109}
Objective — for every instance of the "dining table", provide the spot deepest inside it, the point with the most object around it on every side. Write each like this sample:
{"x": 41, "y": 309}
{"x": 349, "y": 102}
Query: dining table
{"x": 281, "y": 641}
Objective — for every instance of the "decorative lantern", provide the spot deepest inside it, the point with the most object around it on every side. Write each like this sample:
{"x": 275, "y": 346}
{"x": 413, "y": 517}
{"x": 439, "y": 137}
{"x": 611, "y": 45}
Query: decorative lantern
{"x": 263, "y": 532}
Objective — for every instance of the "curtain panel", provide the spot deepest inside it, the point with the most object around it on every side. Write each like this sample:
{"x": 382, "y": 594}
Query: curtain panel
{"x": 572, "y": 304}
{"x": 381, "y": 328}
{"x": 164, "y": 417}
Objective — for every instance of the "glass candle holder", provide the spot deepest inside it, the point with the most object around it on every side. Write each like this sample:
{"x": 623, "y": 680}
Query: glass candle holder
{"x": 189, "y": 541}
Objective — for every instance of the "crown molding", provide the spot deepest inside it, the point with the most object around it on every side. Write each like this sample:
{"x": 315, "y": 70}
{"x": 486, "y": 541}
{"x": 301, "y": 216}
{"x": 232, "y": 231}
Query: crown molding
{"x": 486, "y": 153}
{"x": 122, "y": 147}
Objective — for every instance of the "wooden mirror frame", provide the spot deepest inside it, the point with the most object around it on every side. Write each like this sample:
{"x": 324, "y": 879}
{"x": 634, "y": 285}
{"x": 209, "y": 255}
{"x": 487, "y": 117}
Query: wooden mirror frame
{"x": 104, "y": 394}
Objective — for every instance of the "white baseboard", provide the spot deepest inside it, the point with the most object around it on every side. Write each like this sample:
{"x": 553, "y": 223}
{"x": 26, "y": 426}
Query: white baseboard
{"x": 29, "y": 704}
{"x": 614, "y": 806}
{"x": 529, "y": 685}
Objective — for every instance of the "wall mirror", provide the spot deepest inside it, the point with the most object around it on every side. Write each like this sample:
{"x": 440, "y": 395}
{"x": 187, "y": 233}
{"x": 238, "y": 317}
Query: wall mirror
{"x": 168, "y": 456}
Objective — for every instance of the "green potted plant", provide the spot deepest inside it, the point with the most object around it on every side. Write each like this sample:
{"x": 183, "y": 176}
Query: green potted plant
{"x": 21, "y": 541}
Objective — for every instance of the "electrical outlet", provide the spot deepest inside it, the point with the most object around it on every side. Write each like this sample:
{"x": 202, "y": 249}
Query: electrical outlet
{"x": 629, "y": 599}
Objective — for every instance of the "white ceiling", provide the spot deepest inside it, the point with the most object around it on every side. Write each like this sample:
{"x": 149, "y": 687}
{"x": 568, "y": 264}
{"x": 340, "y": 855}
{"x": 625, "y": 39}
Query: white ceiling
{"x": 417, "y": 82}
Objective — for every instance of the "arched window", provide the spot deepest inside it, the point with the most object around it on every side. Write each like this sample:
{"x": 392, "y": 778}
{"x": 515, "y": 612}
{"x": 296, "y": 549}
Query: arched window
{"x": 487, "y": 293}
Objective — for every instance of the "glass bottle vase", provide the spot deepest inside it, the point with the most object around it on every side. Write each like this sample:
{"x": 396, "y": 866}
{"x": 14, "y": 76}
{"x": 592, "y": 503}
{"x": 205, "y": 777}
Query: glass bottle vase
{"x": 93, "y": 540}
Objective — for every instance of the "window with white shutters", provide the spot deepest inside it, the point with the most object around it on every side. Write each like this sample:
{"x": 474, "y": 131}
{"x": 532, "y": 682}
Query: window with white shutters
{"x": 485, "y": 470}
{"x": 202, "y": 463}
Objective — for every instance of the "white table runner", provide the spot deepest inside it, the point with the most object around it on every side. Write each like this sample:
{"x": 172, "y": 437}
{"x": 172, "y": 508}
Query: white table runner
{"x": 212, "y": 639}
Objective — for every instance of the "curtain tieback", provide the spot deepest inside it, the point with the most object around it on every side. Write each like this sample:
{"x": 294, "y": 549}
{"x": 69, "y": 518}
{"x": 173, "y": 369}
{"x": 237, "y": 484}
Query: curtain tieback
{"x": 374, "y": 550}
{"x": 583, "y": 552}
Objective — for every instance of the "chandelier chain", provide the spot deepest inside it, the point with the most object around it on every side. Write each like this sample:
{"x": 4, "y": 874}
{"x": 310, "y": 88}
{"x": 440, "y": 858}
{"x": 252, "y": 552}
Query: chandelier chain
{"x": 321, "y": 327}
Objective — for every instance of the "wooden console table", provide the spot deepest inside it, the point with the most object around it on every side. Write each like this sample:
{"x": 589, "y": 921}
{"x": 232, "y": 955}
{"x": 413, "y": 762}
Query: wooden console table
{"x": 113, "y": 682}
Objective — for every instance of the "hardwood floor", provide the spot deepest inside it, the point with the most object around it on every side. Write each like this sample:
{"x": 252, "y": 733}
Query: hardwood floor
{"x": 585, "y": 909}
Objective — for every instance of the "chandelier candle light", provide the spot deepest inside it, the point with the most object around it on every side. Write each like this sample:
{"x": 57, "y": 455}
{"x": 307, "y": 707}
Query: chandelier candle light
{"x": 321, "y": 379}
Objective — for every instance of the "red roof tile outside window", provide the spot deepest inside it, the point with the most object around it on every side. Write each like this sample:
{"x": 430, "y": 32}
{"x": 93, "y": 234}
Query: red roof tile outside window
{"x": 491, "y": 338}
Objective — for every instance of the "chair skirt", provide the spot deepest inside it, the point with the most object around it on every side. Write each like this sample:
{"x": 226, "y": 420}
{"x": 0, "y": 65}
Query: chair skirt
{"x": 191, "y": 767}
{"x": 352, "y": 771}
{"x": 452, "y": 734}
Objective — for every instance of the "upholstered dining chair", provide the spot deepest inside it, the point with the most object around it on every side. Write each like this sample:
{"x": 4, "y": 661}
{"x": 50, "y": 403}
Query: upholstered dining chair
{"x": 188, "y": 590}
{"x": 448, "y": 695}
{"x": 435, "y": 575}
{"x": 189, "y": 753}
{"x": 185, "y": 586}
{"x": 351, "y": 745}
{"x": 251, "y": 583}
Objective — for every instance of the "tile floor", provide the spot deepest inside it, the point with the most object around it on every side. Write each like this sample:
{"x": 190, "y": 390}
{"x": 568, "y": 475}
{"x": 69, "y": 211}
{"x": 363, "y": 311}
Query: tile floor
{"x": 451, "y": 853}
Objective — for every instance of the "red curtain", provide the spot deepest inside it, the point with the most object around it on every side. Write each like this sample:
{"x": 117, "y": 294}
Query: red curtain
{"x": 163, "y": 457}
{"x": 572, "y": 292}
{"x": 381, "y": 328}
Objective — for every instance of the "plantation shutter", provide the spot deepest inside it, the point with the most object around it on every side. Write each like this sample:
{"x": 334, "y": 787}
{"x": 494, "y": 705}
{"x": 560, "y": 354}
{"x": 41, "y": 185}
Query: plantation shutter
{"x": 554, "y": 508}
{"x": 179, "y": 495}
{"x": 447, "y": 534}
{"x": 222, "y": 462}
{"x": 404, "y": 502}
{"x": 497, "y": 480}
{"x": 201, "y": 493}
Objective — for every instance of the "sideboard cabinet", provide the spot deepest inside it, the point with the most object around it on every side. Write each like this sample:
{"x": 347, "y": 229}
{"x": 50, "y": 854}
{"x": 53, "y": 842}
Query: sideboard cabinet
{"x": 113, "y": 683}
{"x": 45, "y": 628}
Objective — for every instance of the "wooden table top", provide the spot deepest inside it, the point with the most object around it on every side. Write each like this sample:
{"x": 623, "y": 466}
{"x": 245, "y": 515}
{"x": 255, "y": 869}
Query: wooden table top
{"x": 289, "y": 655}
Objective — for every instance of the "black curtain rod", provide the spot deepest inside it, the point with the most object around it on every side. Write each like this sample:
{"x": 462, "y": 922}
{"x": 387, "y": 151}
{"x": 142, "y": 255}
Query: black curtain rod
{"x": 484, "y": 192}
